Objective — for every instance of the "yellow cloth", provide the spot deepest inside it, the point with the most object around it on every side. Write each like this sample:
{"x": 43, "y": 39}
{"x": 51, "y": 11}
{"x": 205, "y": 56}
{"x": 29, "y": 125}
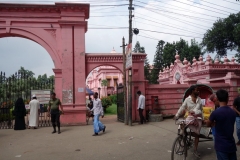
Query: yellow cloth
{"x": 206, "y": 112}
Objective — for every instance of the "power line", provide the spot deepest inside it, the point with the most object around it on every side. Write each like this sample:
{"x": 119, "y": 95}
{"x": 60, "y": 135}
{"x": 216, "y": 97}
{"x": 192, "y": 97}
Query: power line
{"x": 192, "y": 17}
{"x": 76, "y": 1}
{"x": 149, "y": 37}
{"x": 169, "y": 33}
{"x": 109, "y": 16}
{"x": 210, "y": 7}
{"x": 219, "y": 5}
{"x": 180, "y": 20}
{"x": 199, "y": 7}
{"x": 231, "y": 2}
{"x": 176, "y": 9}
{"x": 167, "y": 25}
{"x": 175, "y": 29}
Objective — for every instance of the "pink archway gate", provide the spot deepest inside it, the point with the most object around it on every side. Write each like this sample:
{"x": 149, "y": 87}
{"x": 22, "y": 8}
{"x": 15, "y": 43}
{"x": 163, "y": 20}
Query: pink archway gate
{"x": 94, "y": 60}
{"x": 60, "y": 29}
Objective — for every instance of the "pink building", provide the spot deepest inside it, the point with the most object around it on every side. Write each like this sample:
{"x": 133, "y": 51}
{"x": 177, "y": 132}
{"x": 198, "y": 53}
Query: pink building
{"x": 175, "y": 79}
{"x": 109, "y": 73}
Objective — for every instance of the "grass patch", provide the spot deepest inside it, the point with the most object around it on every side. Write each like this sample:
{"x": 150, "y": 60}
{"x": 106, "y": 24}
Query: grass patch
{"x": 111, "y": 110}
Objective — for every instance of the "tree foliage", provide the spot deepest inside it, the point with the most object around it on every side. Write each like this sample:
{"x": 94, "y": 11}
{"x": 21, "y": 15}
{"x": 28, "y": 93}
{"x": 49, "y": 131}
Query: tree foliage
{"x": 157, "y": 62}
{"x": 224, "y": 35}
{"x": 147, "y": 70}
{"x": 21, "y": 83}
{"x": 138, "y": 48}
{"x": 184, "y": 50}
{"x": 104, "y": 83}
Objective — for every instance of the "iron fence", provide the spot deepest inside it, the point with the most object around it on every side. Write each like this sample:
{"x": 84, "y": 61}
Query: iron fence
{"x": 120, "y": 103}
{"x": 20, "y": 85}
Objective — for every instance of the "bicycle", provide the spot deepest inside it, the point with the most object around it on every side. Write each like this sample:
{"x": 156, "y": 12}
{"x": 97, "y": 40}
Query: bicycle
{"x": 184, "y": 140}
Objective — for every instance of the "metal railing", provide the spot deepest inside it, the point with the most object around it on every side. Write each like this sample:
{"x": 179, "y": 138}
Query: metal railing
{"x": 19, "y": 85}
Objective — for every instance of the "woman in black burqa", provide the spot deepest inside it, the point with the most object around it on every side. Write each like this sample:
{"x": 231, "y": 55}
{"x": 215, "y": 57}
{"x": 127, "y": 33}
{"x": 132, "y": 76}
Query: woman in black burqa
{"x": 20, "y": 113}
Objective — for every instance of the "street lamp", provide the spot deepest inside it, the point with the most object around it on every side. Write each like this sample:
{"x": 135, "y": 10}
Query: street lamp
{"x": 99, "y": 92}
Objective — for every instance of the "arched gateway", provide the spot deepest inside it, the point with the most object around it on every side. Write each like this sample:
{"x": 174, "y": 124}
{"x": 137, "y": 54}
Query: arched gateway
{"x": 60, "y": 29}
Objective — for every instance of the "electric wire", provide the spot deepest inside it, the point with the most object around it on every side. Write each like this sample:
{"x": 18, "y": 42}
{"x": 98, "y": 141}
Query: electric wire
{"x": 175, "y": 29}
{"x": 210, "y": 7}
{"x": 168, "y": 25}
{"x": 160, "y": 9}
{"x": 219, "y": 5}
{"x": 179, "y": 14}
{"x": 200, "y": 7}
{"x": 180, "y": 20}
{"x": 232, "y": 2}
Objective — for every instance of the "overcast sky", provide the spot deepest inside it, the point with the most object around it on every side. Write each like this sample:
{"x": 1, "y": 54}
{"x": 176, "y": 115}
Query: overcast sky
{"x": 167, "y": 20}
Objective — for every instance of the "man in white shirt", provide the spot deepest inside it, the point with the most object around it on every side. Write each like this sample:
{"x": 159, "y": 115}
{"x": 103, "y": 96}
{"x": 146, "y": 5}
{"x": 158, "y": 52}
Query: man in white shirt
{"x": 97, "y": 112}
{"x": 193, "y": 105}
{"x": 141, "y": 106}
{"x": 34, "y": 107}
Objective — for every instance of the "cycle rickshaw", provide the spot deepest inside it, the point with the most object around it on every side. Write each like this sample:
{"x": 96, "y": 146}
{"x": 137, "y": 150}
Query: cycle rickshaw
{"x": 184, "y": 139}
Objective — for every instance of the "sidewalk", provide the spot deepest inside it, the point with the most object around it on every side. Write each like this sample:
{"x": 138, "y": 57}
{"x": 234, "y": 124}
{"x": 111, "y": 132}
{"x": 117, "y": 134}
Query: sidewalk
{"x": 151, "y": 141}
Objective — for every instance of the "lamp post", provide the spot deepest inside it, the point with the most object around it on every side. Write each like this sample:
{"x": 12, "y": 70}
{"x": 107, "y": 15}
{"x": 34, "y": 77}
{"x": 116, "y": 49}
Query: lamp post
{"x": 99, "y": 92}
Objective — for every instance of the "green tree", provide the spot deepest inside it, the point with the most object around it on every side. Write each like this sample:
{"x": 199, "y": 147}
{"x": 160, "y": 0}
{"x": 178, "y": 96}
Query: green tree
{"x": 157, "y": 62}
{"x": 169, "y": 53}
{"x": 25, "y": 72}
{"x": 147, "y": 70}
{"x": 104, "y": 83}
{"x": 223, "y": 36}
{"x": 184, "y": 50}
{"x": 138, "y": 48}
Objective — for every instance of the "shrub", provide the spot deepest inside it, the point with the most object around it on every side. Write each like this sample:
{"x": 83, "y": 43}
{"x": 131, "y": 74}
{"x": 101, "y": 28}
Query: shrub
{"x": 106, "y": 102}
{"x": 113, "y": 98}
{"x": 7, "y": 115}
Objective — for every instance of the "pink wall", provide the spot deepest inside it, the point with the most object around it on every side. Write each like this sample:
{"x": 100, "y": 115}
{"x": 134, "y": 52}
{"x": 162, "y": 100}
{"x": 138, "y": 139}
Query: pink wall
{"x": 217, "y": 75}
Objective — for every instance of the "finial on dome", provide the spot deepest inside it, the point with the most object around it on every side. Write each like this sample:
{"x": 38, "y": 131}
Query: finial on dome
{"x": 194, "y": 60}
{"x": 216, "y": 61}
{"x": 233, "y": 60}
{"x": 225, "y": 60}
{"x": 113, "y": 51}
{"x": 185, "y": 61}
{"x": 171, "y": 66}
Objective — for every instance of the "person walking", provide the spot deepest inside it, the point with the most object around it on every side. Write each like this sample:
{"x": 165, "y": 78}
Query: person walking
{"x": 141, "y": 106}
{"x": 34, "y": 107}
{"x": 223, "y": 118}
{"x": 236, "y": 107}
{"x": 53, "y": 109}
{"x": 97, "y": 112}
{"x": 214, "y": 99}
{"x": 193, "y": 105}
{"x": 19, "y": 113}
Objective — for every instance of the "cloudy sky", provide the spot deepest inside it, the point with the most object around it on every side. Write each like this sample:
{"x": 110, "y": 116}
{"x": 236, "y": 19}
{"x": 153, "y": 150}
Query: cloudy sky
{"x": 167, "y": 20}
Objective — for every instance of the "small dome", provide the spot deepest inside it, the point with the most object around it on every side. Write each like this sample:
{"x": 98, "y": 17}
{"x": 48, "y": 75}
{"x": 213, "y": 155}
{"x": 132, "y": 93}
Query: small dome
{"x": 113, "y": 51}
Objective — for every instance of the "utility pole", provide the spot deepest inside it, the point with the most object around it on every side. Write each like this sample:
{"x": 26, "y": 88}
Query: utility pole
{"x": 130, "y": 8}
{"x": 124, "y": 83}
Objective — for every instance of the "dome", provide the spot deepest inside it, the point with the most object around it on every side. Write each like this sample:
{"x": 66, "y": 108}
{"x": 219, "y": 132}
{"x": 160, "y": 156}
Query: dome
{"x": 113, "y": 51}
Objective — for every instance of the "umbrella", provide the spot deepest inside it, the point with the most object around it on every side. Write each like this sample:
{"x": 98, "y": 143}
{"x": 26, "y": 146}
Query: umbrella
{"x": 89, "y": 91}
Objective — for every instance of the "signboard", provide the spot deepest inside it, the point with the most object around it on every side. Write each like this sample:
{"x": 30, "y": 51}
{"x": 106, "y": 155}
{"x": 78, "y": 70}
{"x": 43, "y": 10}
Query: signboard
{"x": 129, "y": 56}
{"x": 43, "y": 96}
{"x": 80, "y": 90}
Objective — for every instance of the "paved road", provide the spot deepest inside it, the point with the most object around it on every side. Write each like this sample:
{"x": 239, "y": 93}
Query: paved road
{"x": 152, "y": 141}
